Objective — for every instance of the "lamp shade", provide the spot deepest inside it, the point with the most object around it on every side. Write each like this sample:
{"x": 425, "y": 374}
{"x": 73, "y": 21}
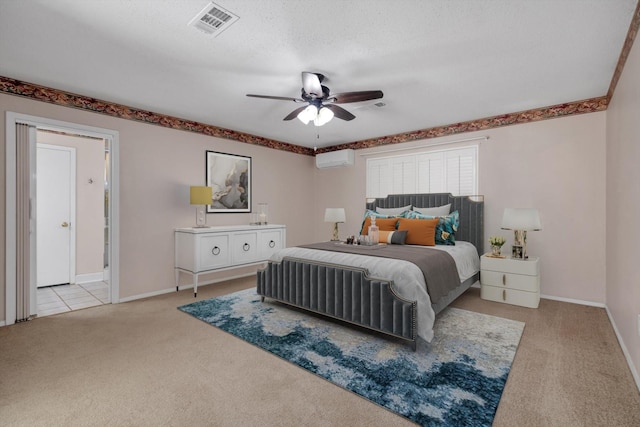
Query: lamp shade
{"x": 324, "y": 116}
{"x": 335, "y": 215}
{"x": 521, "y": 219}
{"x": 319, "y": 117}
{"x": 201, "y": 195}
{"x": 308, "y": 114}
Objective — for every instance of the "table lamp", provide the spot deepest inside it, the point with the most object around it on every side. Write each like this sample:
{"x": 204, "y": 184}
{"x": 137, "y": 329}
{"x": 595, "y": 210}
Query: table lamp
{"x": 335, "y": 215}
{"x": 201, "y": 196}
{"x": 520, "y": 220}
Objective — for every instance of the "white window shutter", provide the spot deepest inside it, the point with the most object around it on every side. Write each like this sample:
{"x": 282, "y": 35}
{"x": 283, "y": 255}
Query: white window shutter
{"x": 461, "y": 171}
{"x": 430, "y": 172}
{"x": 378, "y": 176}
{"x": 452, "y": 171}
{"x": 403, "y": 175}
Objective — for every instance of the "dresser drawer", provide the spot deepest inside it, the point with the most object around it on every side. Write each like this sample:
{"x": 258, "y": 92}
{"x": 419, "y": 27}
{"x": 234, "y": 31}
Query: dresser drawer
{"x": 510, "y": 296}
{"x": 244, "y": 247}
{"x": 509, "y": 280}
{"x": 214, "y": 251}
{"x": 270, "y": 241}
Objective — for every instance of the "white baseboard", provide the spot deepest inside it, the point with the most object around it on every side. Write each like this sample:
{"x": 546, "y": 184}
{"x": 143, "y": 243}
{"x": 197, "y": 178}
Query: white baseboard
{"x": 89, "y": 277}
{"x": 173, "y": 288}
{"x": 148, "y": 295}
{"x": 574, "y": 301}
{"x": 2, "y": 323}
{"x": 627, "y": 356}
{"x": 569, "y": 300}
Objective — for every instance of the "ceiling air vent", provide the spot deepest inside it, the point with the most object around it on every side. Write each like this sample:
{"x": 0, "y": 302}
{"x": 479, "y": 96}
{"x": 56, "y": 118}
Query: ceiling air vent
{"x": 213, "y": 19}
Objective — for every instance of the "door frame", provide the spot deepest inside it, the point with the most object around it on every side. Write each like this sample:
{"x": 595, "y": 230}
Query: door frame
{"x": 72, "y": 203}
{"x": 112, "y": 140}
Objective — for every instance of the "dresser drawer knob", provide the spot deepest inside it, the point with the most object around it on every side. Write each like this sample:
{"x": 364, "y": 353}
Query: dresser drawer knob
{"x": 272, "y": 244}
{"x": 504, "y": 279}
{"x": 504, "y": 295}
{"x": 246, "y": 247}
{"x": 215, "y": 250}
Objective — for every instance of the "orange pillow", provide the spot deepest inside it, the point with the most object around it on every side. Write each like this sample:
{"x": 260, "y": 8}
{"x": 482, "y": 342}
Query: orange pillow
{"x": 419, "y": 231}
{"x": 384, "y": 224}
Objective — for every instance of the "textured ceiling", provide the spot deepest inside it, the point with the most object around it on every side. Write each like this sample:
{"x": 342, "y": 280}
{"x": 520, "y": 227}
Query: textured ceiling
{"x": 437, "y": 62}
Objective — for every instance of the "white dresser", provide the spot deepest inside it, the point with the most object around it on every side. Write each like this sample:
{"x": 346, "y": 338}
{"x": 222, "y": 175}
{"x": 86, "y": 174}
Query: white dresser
{"x": 512, "y": 281}
{"x": 205, "y": 250}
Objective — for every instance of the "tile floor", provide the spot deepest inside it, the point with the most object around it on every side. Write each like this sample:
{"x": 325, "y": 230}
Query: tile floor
{"x": 62, "y": 298}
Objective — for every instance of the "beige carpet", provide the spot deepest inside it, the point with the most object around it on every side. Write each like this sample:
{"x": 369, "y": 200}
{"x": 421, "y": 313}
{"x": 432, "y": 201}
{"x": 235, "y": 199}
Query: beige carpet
{"x": 145, "y": 363}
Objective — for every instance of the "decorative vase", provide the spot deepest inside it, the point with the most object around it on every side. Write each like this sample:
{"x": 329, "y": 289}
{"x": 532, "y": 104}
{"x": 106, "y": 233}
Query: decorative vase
{"x": 496, "y": 250}
{"x": 263, "y": 212}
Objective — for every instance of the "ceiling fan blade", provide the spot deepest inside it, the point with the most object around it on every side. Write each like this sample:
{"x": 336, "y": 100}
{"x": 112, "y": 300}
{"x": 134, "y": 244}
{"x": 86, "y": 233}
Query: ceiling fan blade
{"x": 281, "y": 98}
{"x": 340, "y": 112}
{"x": 311, "y": 84}
{"x": 346, "y": 97}
{"x": 292, "y": 115}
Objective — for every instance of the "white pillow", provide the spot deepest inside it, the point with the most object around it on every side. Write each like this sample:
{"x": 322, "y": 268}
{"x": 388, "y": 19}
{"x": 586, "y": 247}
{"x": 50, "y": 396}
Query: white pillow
{"x": 394, "y": 211}
{"x": 439, "y": 211}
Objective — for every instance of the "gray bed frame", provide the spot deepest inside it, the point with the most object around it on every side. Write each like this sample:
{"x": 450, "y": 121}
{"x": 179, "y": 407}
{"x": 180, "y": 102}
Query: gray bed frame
{"x": 350, "y": 295}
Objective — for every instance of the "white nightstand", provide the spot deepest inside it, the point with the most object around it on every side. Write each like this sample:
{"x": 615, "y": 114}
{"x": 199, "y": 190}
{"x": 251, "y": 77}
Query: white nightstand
{"x": 513, "y": 281}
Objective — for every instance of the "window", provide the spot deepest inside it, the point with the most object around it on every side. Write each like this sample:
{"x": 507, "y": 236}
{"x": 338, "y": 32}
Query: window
{"x": 452, "y": 171}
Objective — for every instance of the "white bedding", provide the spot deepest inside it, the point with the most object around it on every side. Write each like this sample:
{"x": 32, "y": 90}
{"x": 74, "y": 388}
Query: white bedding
{"x": 407, "y": 277}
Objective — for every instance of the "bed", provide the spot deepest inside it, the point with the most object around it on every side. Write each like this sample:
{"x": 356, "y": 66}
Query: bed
{"x": 373, "y": 287}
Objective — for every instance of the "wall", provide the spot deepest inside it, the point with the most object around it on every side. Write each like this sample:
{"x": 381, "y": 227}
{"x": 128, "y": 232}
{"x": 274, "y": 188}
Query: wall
{"x": 89, "y": 199}
{"x": 623, "y": 207}
{"x": 555, "y": 165}
{"x": 157, "y": 166}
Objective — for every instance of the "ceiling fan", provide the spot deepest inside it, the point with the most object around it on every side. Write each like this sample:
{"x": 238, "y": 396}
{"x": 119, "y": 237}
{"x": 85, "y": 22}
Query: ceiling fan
{"x": 320, "y": 103}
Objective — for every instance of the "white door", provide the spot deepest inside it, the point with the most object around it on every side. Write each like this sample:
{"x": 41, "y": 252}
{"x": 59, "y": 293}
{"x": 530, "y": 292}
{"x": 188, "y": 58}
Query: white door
{"x": 55, "y": 214}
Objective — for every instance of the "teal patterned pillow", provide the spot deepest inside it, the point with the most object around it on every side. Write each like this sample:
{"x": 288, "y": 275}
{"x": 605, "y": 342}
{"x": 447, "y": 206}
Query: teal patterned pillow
{"x": 446, "y": 228}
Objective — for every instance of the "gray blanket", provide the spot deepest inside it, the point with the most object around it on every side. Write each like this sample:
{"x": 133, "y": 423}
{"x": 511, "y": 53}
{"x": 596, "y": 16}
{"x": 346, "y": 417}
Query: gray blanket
{"x": 438, "y": 267}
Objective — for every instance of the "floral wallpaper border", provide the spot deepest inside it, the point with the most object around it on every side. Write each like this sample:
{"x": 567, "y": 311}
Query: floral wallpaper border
{"x": 626, "y": 48}
{"x": 561, "y": 110}
{"x": 59, "y": 97}
{"x": 66, "y": 99}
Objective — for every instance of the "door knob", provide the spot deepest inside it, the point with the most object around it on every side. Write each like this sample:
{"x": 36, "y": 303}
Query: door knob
{"x": 65, "y": 224}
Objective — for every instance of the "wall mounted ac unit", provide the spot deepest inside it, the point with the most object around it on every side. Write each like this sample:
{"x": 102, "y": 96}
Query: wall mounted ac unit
{"x": 335, "y": 159}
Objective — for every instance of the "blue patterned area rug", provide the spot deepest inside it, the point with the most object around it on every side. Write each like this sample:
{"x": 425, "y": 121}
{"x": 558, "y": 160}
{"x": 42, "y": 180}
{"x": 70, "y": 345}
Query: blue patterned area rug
{"x": 456, "y": 380}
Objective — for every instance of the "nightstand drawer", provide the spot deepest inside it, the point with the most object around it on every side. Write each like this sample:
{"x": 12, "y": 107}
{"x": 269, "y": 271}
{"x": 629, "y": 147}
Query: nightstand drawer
{"x": 511, "y": 281}
{"x": 510, "y": 296}
{"x": 529, "y": 267}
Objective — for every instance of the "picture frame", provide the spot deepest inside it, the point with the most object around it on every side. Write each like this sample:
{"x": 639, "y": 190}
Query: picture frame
{"x": 229, "y": 175}
{"x": 517, "y": 252}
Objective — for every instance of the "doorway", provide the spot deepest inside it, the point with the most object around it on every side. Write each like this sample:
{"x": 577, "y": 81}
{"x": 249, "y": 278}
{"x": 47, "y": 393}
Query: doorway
{"x": 106, "y": 182}
{"x": 71, "y": 218}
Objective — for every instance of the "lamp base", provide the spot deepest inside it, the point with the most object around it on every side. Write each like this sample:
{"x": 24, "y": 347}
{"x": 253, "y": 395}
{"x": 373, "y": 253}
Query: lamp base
{"x": 519, "y": 248}
{"x": 335, "y": 237}
{"x": 201, "y": 217}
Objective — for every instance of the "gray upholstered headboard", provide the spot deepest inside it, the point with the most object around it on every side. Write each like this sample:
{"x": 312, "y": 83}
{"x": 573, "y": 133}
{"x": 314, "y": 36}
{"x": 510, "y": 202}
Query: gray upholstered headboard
{"x": 470, "y": 208}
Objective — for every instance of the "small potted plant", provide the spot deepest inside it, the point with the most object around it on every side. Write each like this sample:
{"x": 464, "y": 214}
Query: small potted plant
{"x": 496, "y": 244}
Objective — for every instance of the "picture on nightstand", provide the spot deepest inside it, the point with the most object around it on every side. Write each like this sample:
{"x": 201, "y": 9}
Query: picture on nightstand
{"x": 516, "y": 252}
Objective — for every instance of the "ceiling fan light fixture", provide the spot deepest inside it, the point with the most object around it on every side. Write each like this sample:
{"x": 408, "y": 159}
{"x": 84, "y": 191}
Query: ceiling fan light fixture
{"x": 308, "y": 114}
{"x": 314, "y": 94}
{"x": 324, "y": 116}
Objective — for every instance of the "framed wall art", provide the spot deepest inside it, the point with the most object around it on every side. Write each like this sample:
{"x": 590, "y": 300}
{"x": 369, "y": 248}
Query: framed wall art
{"x": 229, "y": 176}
